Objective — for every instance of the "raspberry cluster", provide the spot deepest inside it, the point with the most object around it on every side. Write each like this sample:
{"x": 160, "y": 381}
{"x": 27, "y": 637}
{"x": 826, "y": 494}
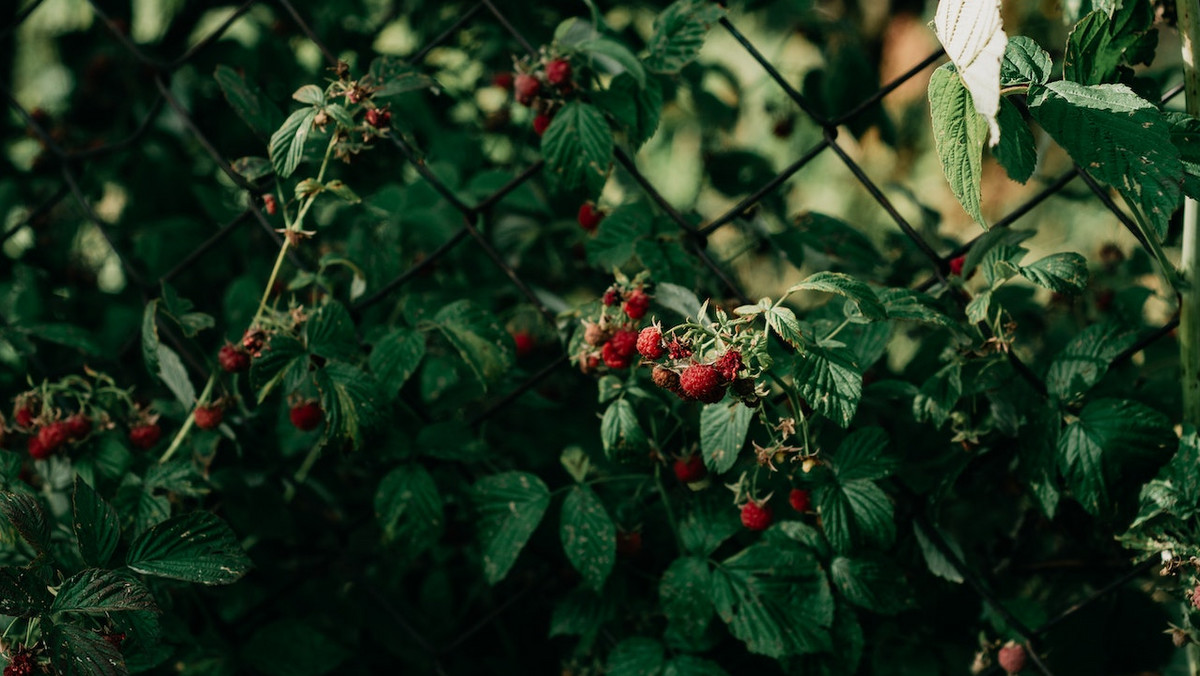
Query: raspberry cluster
{"x": 542, "y": 85}
{"x": 688, "y": 378}
{"x": 21, "y": 663}
{"x": 612, "y": 339}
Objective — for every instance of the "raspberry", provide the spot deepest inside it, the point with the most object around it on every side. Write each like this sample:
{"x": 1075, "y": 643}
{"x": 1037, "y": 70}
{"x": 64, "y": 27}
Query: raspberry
{"x": 541, "y": 122}
{"x": 666, "y": 379}
{"x": 503, "y": 81}
{"x": 1194, "y": 597}
{"x": 756, "y": 516}
{"x": 307, "y": 416}
{"x": 53, "y": 435}
{"x": 37, "y": 450}
{"x": 233, "y": 359}
{"x": 678, "y": 349}
{"x": 594, "y": 335}
{"x": 558, "y": 72}
{"x": 527, "y": 88}
{"x": 729, "y": 364}
{"x": 24, "y": 416}
{"x": 524, "y": 343}
{"x": 252, "y": 341}
{"x": 145, "y": 436}
{"x": 624, "y": 342}
{"x": 589, "y": 218}
{"x": 649, "y": 343}
{"x": 636, "y": 304}
{"x": 79, "y": 426}
{"x": 702, "y": 382}
{"x": 629, "y": 543}
{"x": 690, "y": 469}
{"x": 208, "y": 417}
{"x": 1012, "y": 657}
{"x": 270, "y": 204}
{"x": 956, "y": 265}
{"x": 610, "y": 297}
{"x": 115, "y": 640}
{"x": 380, "y": 118}
{"x": 613, "y": 358}
{"x": 20, "y": 663}
{"x": 800, "y": 500}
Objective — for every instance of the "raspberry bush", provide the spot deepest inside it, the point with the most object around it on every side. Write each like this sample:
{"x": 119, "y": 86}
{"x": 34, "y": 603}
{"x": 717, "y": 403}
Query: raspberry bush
{"x": 523, "y": 335}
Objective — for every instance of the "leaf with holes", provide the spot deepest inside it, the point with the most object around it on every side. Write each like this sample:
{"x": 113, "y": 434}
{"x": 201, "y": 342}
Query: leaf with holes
{"x": 723, "y": 428}
{"x": 409, "y": 509}
{"x": 98, "y": 592}
{"x": 959, "y": 134}
{"x": 28, "y": 516}
{"x": 683, "y": 593}
{"x": 510, "y": 507}
{"x": 78, "y": 651}
{"x": 195, "y": 547}
{"x": 22, "y": 592}
{"x": 578, "y": 147}
{"x": 588, "y": 535}
{"x": 1062, "y": 272}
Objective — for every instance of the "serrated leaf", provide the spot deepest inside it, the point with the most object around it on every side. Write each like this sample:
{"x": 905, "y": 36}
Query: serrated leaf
{"x": 636, "y": 656}
{"x": 510, "y": 506}
{"x": 973, "y": 34}
{"x": 830, "y": 382}
{"x": 351, "y": 401}
{"x": 723, "y": 428}
{"x": 22, "y": 593}
{"x": 708, "y": 522}
{"x": 872, "y": 584}
{"x": 635, "y": 107}
{"x": 588, "y": 535}
{"x": 395, "y": 358}
{"x": 1065, "y": 272}
{"x": 28, "y": 516}
{"x": 939, "y": 394}
{"x": 286, "y": 147}
{"x": 1001, "y": 237}
{"x": 679, "y": 33}
{"x": 479, "y": 338}
{"x": 329, "y": 332}
{"x": 782, "y": 321}
{"x": 959, "y": 134}
{"x": 1024, "y": 63}
{"x": 248, "y": 102}
{"x": 856, "y": 514}
{"x": 578, "y": 147}
{"x": 195, "y": 547}
{"x": 913, "y": 306}
{"x": 621, "y": 434}
{"x": 841, "y": 284}
{"x": 97, "y": 527}
{"x": 99, "y": 592}
{"x": 683, "y": 595}
{"x": 282, "y": 359}
{"x": 409, "y": 509}
{"x": 1185, "y": 134}
{"x": 310, "y": 94}
{"x": 863, "y": 455}
{"x": 613, "y": 244}
{"x": 1084, "y": 360}
{"x": 609, "y": 56}
{"x": 1017, "y": 149}
{"x": 1103, "y": 42}
{"x": 77, "y": 651}
{"x": 934, "y": 557}
{"x": 391, "y": 75}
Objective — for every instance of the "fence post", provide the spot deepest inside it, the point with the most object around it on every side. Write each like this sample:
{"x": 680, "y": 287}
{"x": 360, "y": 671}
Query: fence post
{"x": 1189, "y": 310}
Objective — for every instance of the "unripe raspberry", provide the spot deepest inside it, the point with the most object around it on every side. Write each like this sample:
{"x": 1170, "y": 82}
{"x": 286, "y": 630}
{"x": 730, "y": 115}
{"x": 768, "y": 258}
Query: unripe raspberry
{"x": 558, "y": 72}
{"x": 527, "y": 88}
{"x": 1012, "y": 657}
{"x": 589, "y": 218}
{"x": 649, "y": 343}
{"x": 636, "y": 304}
{"x": 541, "y": 123}
{"x": 756, "y": 516}
{"x": 208, "y": 417}
{"x": 800, "y": 500}
{"x": 595, "y": 335}
{"x": 233, "y": 359}
{"x": 690, "y": 469}
{"x": 307, "y": 416}
{"x": 702, "y": 382}
{"x": 666, "y": 379}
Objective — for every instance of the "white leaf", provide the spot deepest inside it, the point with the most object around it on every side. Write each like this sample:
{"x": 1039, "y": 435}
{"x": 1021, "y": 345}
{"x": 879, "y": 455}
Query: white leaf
{"x": 973, "y": 35}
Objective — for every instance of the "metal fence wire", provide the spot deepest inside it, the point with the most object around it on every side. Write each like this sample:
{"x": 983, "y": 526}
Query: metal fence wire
{"x": 72, "y": 163}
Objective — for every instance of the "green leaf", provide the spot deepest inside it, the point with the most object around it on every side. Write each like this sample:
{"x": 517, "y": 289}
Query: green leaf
{"x": 286, "y": 147}
{"x": 681, "y": 300}
{"x": 635, "y": 106}
{"x": 992, "y": 239}
{"x": 22, "y": 592}
{"x": 77, "y": 651}
{"x": 782, "y": 321}
{"x": 292, "y": 647}
{"x": 195, "y": 547}
{"x": 913, "y": 306}
{"x": 248, "y": 102}
{"x": 26, "y": 515}
{"x": 609, "y": 56}
{"x": 862, "y": 455}
{"x": 479, "y": 338}
{"x": 636, "y": 656}
{"x": 150, "y": 337}
{"x": 683, "y": 594}
{"x": 580, "y": 613}
{"x": 1017, "y": 150}
{"x": 856, "y": 514}
{"x": 409, "y": 509}
{"x": 1174, "y": 495}
{"x": 1110, "y": 435}
{"x": 709, "y": 521}
{"x": 1119, "y": 138}
{"x": 67, "y": 335}
{"x": 174, "y": 374}
{"x": 690, "y": 665}
{"x": 613, "y": 244}
{"x": 830, "y": 382}
{"x": 1185, "y": 134}
{"x": 510, "y": 506}
{"x": 723, "y": 428}
{"x": 97, "y": 527}
{"x": 391, "y": 76}
{"x": 937, "y": 561}
{"x": 1084, "y": 361}
{"x": 939, "y": 394}
{"x": 1100, "y": 44}
{"x": 396, "y": 356}
{"x": 959, "y": 134}
{"x": 1062, "y": 272}
{"x": 872, "y": 584}
{"x": 283, "y": 359}
{"x": 1024, "y": 63}
{"x": 774, "y": 598}
{"x": 310, "y": 94}
{"x": 856, "y": 291}
{"x": 578, "y": 147}
{"x": 351, "y": 400}
{"x": 253, "y": 168}
{"x": 679, "y": 33}
{"x": 589, "y": 537}
{"x": 329, "y": 332}
{"x": 97, "y": 592}
{"x": 622, "y": 436}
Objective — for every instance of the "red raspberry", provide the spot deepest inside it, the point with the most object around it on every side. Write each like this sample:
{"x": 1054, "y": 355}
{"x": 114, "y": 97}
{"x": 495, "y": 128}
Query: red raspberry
{"x": 145, "y": 436}
{"x": 690, "y": 469}
{"x": 729, "y": 364}
{"x": 54, "y": 435}
{"x": 956, "y": 265}
{"x": 589, "y": 218}
{"x": 541, "y": 122}
{"x": 610, "y": 297}
{"x": 307, "y": 416}
{"x": 503, "y": 81}
{"x": 524, "y": 342}
{"x": 380, "y": 118}
{"x": 702, "y": 382}
{"x": 649, "y": 343}
{"x": 558, "y": 72}
{"x": 209, "y": 417}
{"x": 79, "y": 426}
{"x": 636, "y": 304}
{"x": 20, "y": 663}
{"x": 678, "y": 349}
{"x": 800, "y": 500}
{"x": 233, "y": 359}
{"x": 270, "y": 204}
{"x": 756, "y": 516}
{"x": 624, "y": 342}
{"x": 24, "y": 416}
{"x": 613, "y": 358}
{"x": 115, "y": 640}
{"x": 1012, "y": 657}
{"x": 37, "y": 450}
{"x": 629, "y": 543}
{"x": 527, "y": 88}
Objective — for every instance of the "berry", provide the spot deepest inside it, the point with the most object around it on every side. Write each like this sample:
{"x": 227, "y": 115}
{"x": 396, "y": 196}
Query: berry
{"x": 678, "y": 349}
{"x": 37, "y": 450}
{"x": 800, "y": 500}
{"x": 666, "y": 379}
{"x": 79, "y": 426}
{"x": 20, "y": 663}
{"x": 233, "y": 359}
{"x": 624, "y": 342}
{"x": 956, "y": 265}
{"x": 1194, "y": 597}
{"x": 503, "y": 81}
{"x": 702, "y": 382}
{"x": 636, "y": 304}
{"x": 380, "y": 118}
{"x": 690, "y": 469}
{"x": 53, "y": 435}
{"x": 115, "y": 640}
{"x": 610, "y": 298}
{"x": 527, "y": 88}
{"x": 208, "y": 417}
{"x": 524, "y": 343}
{"x": 649, "y": 343}
{"x": 613, "y": 358}
{"x": 558, "y": 72}
{"x": 594, "y": 335}
{"x": 629, "y": 543}
{"x": 729, "y": 364}
{"x": 24, "y": 416}
{"x": 1012, "y": 657}
{"x": 270, "y": 204}
{"x": 589, "y": 218}
{"x": 307, "y": 416}
{"x": 541, "y": 122}
{"x": 756, "y": 516}
{"x": 145, "y": 436}
{"x": 252, "y": 341}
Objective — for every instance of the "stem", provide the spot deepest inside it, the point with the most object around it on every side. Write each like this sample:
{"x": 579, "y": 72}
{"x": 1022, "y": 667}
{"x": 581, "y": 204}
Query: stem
{"x": 309, "y": 460}
{"x": 187, "y": 424}
{"x": 1189, "y": 311}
